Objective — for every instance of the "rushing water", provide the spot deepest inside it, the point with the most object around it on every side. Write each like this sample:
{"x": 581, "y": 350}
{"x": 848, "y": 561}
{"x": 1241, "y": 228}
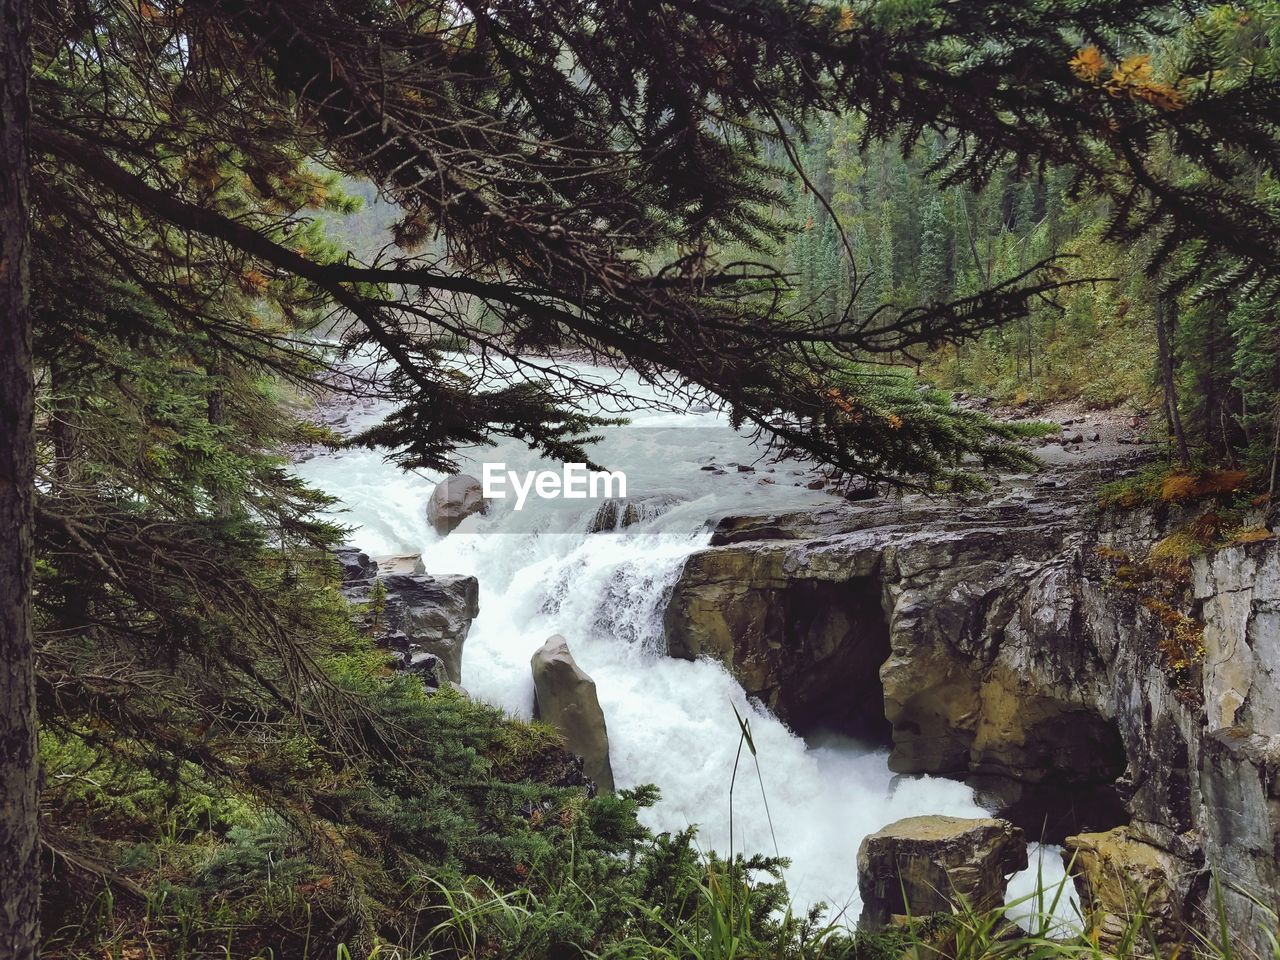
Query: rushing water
{"x": 671, "y": 722}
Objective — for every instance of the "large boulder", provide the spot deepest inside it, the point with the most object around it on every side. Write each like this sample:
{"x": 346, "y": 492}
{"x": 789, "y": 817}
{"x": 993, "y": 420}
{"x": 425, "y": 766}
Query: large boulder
{"x": 1119, "y": 875}
{"x": 400, "y": 563}
{"x": 421, "y": 615}
{"x": 454, "y": 499}
{"x": 565, "y": 697}
{"x": 924, "y": 865}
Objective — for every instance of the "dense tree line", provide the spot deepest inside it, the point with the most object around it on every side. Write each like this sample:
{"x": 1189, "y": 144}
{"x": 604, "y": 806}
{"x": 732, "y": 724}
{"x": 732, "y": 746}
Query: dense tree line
{"x": 896, "y": 233}
{"x": 616, "y": 178}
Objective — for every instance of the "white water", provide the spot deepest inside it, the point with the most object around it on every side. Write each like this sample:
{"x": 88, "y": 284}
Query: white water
{"x": 671, "y": 722}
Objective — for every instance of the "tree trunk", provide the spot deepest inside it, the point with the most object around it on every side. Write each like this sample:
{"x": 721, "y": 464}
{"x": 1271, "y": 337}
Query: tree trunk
{"x": 19, "y": 837}
{"x": 1166, "y": 378}
{"x": 217, "y": 415}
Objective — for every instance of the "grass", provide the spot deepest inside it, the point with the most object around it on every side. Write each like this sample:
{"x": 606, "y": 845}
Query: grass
{"x": 657, "y": 899}
{"x": 1034, "y": 429}
{"x": 1170, "y": 485}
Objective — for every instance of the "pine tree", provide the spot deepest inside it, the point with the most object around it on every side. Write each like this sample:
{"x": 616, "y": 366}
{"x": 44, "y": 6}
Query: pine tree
{"x": 934, "y": 253}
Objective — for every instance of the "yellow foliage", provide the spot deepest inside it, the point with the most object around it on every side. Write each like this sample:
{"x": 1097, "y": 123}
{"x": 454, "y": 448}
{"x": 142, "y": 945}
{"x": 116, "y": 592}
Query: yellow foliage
{"x": 1171, "y": 557}
{"x": 1131, "y": 78}
{"x": 1135, "y": 69}
{"x": 254, "y": 282}
{"x": 1182, "y": 485}
{"x": 1088, "y": 63}
{"x": 1159, "y": 95}
{"x": 895, "y": 421}
{"x": 1252, "y": 535}
{"x": 839, "y": 400}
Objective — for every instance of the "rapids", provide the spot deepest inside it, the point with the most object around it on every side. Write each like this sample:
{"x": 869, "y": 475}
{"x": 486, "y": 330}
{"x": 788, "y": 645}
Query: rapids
{"x": 671, "y": 722}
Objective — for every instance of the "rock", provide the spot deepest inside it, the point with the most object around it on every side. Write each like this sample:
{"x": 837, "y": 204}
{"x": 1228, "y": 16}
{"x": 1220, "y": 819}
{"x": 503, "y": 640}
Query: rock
{"x": 810, "y": 650}
{"x": 454, "y": 499}
{"x": 746, "y": 468}
{"x": 425, "y": 666}
{"x": 856, "y": 490}
{"x": 1095, "y": 437}
{"x": 1076, "y": 437}
{"x": 925, "y": 625}
{"x": 816, "y": 484}
{"x": 1117, "y": 872}
{"x": 924, "y": 865}
{"x": 991, "y": 637}
{"x": 709, "y": 466}
{"x": 617, "y": 513}
{"x": 422, "y": 615}
{"x": 354, "y": 564}
{"x": 565, "y": 697}
{"x": 401, "y": 563}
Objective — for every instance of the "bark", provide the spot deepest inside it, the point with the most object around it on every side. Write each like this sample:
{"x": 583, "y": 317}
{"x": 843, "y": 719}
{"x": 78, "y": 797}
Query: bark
{"x": 1166, "y": 378}
{"x": 19, "y": 835}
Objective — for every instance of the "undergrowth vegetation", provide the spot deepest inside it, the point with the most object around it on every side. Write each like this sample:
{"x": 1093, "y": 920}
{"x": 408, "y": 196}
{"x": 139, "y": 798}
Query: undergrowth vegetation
{"x": 1210, "y": 509}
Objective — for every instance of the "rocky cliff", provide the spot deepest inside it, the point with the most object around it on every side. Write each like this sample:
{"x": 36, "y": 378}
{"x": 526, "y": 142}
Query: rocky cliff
{"x": 1043, "y": 649}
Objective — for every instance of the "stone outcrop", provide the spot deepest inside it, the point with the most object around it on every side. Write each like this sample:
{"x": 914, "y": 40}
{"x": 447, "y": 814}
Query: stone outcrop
{"x": 354, "y": 565}
{"x": 924, "y": 865}
{"x": 454, "y": 499}
{"x": 401, "y": 563}
{"x": 618, "y": 513}
{"x": 424, "y": 619}
{"x": 997, "y": 640}
{"x": 565, "y": 697}
{"x": 1118, "y": 874}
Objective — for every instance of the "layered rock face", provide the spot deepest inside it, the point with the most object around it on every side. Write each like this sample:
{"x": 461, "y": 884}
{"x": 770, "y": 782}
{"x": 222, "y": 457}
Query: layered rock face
{"x": 425, "y": 619}
{"x": 995, "y": 640}
{"x": 923, "y": 865}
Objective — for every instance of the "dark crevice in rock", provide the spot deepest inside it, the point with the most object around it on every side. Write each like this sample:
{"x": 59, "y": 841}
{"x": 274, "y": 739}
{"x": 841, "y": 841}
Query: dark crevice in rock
{"x": 809, "y": 649}
{"x": 1050, "y": 812}
{"x": 844, "y": 623}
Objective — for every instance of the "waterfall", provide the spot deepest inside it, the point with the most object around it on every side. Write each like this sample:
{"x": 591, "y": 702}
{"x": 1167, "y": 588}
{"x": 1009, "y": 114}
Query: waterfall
{"x": 671, "y": 722}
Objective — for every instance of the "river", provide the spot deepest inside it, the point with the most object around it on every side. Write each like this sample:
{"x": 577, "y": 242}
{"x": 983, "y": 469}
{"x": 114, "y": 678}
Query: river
{"x": 671, "y": 722}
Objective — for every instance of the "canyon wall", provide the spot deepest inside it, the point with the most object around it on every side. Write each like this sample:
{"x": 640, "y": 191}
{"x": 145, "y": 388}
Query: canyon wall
{"x": 1025, "y": 643}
